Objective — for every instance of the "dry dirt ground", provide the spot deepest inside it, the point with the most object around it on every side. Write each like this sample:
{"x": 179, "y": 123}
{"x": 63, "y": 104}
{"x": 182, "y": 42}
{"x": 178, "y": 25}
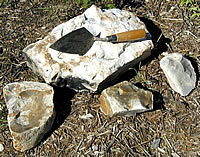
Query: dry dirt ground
{"x": 174, "y": 123}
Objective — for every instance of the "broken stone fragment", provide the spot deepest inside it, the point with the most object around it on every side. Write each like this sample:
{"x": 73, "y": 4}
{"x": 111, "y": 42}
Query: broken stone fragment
{"x": 125, "y": 99}
{"x": 104, "y": 61}
{"x": 30, "y": 112}
{"x": 179, "y": 72}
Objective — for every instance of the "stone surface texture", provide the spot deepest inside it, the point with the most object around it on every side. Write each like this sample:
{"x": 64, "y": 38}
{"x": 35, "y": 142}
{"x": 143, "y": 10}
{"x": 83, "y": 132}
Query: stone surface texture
{"x": 30, "y": 112}
{"x": 102, "y": 63}
{"x": 125, "y": 99}
{"x": 179, "y": 72}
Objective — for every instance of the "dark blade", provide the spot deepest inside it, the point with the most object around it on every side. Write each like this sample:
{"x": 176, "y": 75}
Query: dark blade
{"x": 76, "y": 42}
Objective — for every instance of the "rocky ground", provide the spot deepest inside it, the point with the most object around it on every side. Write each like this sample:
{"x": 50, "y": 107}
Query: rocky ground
{"x": 175, "y": 122}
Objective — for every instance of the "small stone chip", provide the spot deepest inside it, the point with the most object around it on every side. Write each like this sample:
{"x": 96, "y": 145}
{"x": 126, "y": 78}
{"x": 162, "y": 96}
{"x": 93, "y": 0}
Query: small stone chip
{"x": 1, "y": 147}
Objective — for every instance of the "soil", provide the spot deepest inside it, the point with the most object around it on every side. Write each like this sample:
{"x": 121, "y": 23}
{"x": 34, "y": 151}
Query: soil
{"x": 171, "y": 129}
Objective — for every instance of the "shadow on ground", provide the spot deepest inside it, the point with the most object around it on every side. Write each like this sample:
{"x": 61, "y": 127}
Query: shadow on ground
{"x": 62, "y": 104}
{"x": 158, "y": 102}
{"x": 134, "y": 4}
{"x": 159, "y": 40}
{"x": 194, "y": 63}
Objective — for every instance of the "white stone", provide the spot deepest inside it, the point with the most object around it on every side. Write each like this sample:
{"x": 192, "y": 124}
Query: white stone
{"x": 1, "y": 147}
{"x": 125, "y": 99}
{"x": 87, "y": 116}
{"x": 179, "y": 72}
{"x": 104, "y": 61}
{"x": 30, "y": 112}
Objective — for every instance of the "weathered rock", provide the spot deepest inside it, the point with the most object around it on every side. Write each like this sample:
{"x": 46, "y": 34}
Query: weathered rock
{"x": 125, "y": 99}
{"x": 30, "y": 112}
{"x": 104, "y": 61}
{"x": 179, "y": 72}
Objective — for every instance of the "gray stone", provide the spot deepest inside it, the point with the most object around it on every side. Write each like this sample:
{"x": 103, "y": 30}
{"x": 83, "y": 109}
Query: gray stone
{"x": 179, "y": 72}
{"x": 125, "y": 99}
{"x": 104, "y": 62}
{"x": 155, "y": 143}
{"x": 30, "y": 112}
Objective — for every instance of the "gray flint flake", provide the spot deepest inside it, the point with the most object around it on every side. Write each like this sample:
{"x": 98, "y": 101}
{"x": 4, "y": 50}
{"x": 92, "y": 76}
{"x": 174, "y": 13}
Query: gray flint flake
{"x": 179, "y": 72}
{"x": 30, "y": 112}
{"x": 103, "y": 62}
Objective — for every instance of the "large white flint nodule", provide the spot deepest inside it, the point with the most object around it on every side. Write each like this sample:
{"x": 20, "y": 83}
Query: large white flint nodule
{"x": 30, "y": 112}
{"x": 103, "y": 62}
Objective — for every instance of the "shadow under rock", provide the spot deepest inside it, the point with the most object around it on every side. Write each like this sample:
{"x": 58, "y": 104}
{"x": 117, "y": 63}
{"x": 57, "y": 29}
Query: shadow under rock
{"x": 62, "y": 105}
{"x": 158, "y": 102}
{"x": 159, "y": 40}
{"x": 194, "y": 63}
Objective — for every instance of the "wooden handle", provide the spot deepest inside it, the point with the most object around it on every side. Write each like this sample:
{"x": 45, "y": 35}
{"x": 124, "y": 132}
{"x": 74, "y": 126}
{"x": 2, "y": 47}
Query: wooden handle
{"x": 131, "y": 35}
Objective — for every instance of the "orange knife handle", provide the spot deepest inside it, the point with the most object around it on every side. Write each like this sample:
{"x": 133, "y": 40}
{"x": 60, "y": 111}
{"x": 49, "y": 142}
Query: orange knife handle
{"x": 127, "y": 36}
{"x": 131, "y": 35}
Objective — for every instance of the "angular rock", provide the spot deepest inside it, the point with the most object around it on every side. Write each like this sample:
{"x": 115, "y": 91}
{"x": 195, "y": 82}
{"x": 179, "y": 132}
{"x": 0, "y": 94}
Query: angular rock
{"x": 30, "y": 112}
{"x": 103, "y": 62}
{"x": 125, "y": 99}
{"x": 179, "y": 72}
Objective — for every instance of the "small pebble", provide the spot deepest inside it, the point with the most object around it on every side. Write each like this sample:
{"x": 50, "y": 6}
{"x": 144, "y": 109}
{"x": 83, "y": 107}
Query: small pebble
{"x": 155, "y": 143}
{"x": 1, "y": 147}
